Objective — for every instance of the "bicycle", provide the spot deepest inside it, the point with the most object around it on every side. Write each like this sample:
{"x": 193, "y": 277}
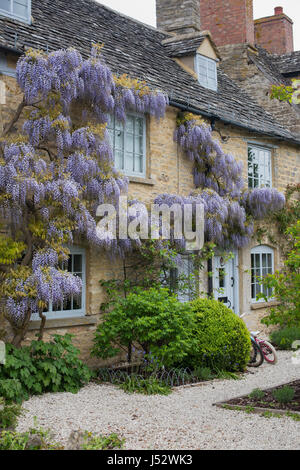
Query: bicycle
{"x": 261, "y": 350}
{"x": 268, "y": 350}
{"x": 256, "y": 355}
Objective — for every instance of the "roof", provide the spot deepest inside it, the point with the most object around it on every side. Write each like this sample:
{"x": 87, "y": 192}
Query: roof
{"x": 288, "y": 63}
{"x": 136, "y": 49}
{"x": 264, "y": 61}
{"x": 188, "y": 44}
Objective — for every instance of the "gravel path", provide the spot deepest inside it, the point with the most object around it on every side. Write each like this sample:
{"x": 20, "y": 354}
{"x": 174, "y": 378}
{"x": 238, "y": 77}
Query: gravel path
{"x": 184, "y": 420}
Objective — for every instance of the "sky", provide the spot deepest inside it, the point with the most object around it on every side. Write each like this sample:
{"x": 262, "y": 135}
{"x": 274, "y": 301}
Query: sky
{"x": 144, "y": 10}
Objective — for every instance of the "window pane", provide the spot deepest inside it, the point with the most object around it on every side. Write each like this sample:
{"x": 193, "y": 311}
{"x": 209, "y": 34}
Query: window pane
{"x": 5, "y": 5}
{"x": 119, "y": 162}
{"x": 20, "y": 8}
{"x": 129, "y": 142}
{"x": 138, "y": 144}
{"x": 139, "y": 161}
{"x": 130, "y": 124}
{"x": 77, "y": 303}
{"x": 77, "y": 268}
{"x": 129, "y": 162}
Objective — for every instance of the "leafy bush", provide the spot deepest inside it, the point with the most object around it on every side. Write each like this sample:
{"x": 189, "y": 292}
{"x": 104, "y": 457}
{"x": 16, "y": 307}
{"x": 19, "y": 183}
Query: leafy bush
{"x": 203, "y": 373}
{"x": 41, "y": 368}
{"x": 284, "y": 395}
{"x": 286, "y": 286}
{"x": 222, "y": 339}
{"x": 147, "y": 386}
{"x": 257, "y": 394}
{"x": 11, "y": 389}
{"x": 9, "y": 415}
{"x": 94, "y": 442}
{"x": 150, "y": 319}
{"x": 285, "y": 337}
{"x": 34, "y": 439}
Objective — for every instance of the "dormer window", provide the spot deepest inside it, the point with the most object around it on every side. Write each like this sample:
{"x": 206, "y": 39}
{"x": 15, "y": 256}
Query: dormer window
{"x": 207, "y": 72}
{"x": 17, "y": 9}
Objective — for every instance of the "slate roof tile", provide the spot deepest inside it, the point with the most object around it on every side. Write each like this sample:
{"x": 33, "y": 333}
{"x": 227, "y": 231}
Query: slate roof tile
{"x": 134, "y": 48}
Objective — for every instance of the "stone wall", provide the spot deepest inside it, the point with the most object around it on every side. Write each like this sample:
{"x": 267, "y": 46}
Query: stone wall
{"x": 168, "y": 170}
{"x": 178, "y": 16}
{"x": 257, "y": 84}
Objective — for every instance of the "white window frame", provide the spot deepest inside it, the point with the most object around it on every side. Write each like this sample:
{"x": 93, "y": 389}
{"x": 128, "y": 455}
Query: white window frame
{"x": 4, "y": 69}
{"x": 144, "y": 161}
{"x": 263, "y": 179}
{"x": 11, "y": 14}
{"x": 260, "y": 250}
{"x": 202, "y": 69}
{"x": 54, "y": 315}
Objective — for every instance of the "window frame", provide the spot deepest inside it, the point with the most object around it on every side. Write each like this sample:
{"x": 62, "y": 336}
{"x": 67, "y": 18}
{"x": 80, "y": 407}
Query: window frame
{"x": 261, "y": 181}
{"x": 261, "y": 250}
{"x": 208, "y": 60}
{"x": 63, "y": 314}
{"x": 10, "y": 14}
{"x": 124, "y": 171}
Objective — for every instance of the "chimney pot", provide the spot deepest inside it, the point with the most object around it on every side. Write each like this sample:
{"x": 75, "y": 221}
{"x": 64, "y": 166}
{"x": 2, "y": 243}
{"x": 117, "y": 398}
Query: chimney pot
{"x": 278, "y": 11}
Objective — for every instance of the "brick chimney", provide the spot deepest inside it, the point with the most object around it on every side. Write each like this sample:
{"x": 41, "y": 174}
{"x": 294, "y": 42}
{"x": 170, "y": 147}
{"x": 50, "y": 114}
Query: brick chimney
{"x": 178, "y": 16}
{"x": 229, "y": 21}
{"x": 275, "y": 33}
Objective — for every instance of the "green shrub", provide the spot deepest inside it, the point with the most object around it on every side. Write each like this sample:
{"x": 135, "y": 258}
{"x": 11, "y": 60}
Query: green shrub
{"x": 284, "y": 338}
{"x": 146, "y": 386}
{"x": 9, "y": 415}
{"x": 94, "y": 442}
{"x": 222, "y": 339}
{"x": 34, "y": 439}
{"x": 286, "y": 285}
{"x": 284, "y": 395}
{"x": 152, "y": 320}
{"x": 203, "y": 373}
{"x": 11, "y": 389}
{"x": 41, "y": 368}
{"x": 257, "y": 394}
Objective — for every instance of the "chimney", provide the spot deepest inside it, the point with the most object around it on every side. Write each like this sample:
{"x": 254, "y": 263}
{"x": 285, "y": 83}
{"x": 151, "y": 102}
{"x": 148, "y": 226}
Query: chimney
{"x": 178, "y": 16}
{"x": 229, "y": 21}
{"x": 275, "y": 33}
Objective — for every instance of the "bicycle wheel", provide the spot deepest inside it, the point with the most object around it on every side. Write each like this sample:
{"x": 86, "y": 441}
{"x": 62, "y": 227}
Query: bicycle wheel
{"x": 269, "y": 352}
{"x": 256, "y": 357}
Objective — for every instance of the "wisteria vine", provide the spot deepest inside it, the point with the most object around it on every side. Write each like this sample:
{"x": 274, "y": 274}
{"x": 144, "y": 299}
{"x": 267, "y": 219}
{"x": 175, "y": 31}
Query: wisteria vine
{"x": 55, "y": 174}
{"x": 230, "y": 208}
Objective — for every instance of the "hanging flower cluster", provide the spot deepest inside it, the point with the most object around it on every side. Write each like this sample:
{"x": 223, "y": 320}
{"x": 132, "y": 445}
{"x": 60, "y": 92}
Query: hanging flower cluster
{"x": 230, "y": 209}
{"x": 54, "y": 177}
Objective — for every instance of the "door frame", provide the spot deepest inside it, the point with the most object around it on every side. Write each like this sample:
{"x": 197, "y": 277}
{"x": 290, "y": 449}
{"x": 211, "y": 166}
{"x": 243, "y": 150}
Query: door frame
{"x": 236, "y": 288}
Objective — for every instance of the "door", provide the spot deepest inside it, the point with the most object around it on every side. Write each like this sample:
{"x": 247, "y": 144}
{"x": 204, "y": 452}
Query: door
{"x": 225, "y": 281}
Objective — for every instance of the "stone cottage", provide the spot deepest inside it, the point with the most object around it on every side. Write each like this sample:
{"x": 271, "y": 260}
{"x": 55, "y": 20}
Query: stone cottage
{"x": 211, "y": 60}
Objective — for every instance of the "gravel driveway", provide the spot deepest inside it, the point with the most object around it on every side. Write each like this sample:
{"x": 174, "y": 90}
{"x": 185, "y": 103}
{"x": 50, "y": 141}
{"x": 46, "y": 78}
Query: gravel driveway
{"x": 184, "y": 420}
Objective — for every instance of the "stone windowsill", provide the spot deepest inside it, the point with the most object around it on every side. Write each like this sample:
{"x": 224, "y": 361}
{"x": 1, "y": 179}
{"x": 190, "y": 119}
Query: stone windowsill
{"x": 261, "y": 305}
{"x": 65, "y": 322}
{"x": 138, "y": 180}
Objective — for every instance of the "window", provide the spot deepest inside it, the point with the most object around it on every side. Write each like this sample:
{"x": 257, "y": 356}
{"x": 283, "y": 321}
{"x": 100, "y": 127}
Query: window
{"x": 128, "y": 141}
{"x": 262, "y": 263}
{"x": 181, "y": 279}
{"x": 18, "y": 9}
{"x": 259, "y": 167}
{"x": 4, "y": 68}
{"x": 73, "y": 306}
{"x": 207, "y": 72}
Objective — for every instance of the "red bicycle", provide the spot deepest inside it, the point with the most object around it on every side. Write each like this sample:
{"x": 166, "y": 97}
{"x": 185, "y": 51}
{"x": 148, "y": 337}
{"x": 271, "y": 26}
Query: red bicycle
{"x": 267, "y": 348}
